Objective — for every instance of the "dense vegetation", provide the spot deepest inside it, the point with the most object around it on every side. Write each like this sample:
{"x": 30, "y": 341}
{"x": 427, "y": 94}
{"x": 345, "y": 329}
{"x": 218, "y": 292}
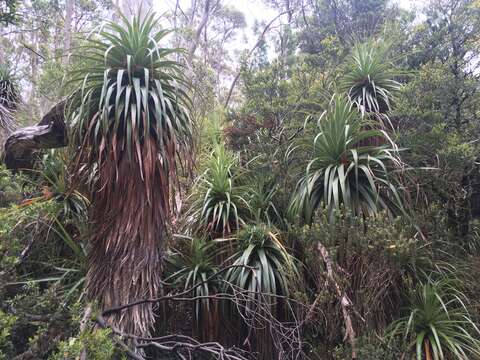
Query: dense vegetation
{"x": 313, "y": 197}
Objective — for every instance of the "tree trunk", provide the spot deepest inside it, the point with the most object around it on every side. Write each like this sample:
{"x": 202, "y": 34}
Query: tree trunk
{"x": 257, "y": 44}
{"x": 67, "y": 30}
{"x": 128, "y": 232}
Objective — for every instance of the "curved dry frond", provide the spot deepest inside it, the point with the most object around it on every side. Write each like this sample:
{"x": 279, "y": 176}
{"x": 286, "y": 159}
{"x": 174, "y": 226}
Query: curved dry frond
{"x": 7, "y": 121}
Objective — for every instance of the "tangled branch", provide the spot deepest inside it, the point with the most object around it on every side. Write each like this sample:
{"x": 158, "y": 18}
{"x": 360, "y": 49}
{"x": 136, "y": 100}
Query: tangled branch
{"x": 256, "y": 311}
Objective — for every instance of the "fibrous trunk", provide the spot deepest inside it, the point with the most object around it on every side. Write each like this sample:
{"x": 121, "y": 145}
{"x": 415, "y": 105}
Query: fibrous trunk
{"x": 129, "y": 213}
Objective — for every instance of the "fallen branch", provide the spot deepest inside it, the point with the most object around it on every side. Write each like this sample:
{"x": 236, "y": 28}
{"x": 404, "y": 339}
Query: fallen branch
{"x": 51, "y": 132}
{"x": 345, "y": 302}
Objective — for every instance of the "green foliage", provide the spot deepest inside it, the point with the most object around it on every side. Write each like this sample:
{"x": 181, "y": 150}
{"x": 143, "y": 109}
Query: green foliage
{"x": 369, "y": 77}
{"x": 261, "y": 199}
{"x": 46, "y": 215}
{"x": 345, "y": 169}
{"x": 192, "y": 268}
{"x": 264, "y": 264}
{"x": 6, "y": 323}
{"x": 42, "y": 320}
{"x": 217, "y": 199}
{"x": 371, "y": 348}
{"x": 439, "y": 325}
{"x": 211, "y": 130}
{"x": 280, "y": 94}
{"x": 12, "y": 187}
{"x": 15, "y": 227}
{"x": 129, "y": 90}
{"x": 38, "y": 268}
{"x": 68, "y": 275}
{"x": 443, "y": 156}
{"x": 384, "y": 258}
{"x": 98, "y": 345}
{"x": 54, "y": 172}
{"x": 8, "y": 12}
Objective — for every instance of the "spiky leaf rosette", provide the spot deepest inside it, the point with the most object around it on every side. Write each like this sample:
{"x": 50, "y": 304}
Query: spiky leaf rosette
{"x": 217, "y": 198}
{"x": 194, "y": 267}
{"x": 9, "y": 98}
{"x": 345, "y": 173}
{"x": 130, "y": 92}
{"x": 438, "y": 325}
{"x": 130, "y": 117}
{"x": 369, "y": 78}
{"x": 264, "y": 265}
{"x": 264, "y": 270}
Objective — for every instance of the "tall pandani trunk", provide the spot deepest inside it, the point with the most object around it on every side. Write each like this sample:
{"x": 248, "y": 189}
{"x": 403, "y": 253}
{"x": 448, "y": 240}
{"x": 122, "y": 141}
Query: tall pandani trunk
{"x": 129, "y": 214}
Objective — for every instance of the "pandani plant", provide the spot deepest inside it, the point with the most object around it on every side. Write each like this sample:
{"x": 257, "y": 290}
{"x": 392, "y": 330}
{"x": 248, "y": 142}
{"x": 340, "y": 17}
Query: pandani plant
{"x": 262, "y": 190}
{"x": 9, "y": 98}
{"x": 262, "y": 264}
{"x": 262, "y": 271}
{"x": 438, "y": 325}
{"x": 369, "y": 77}
{"x": 218, "y": 200}
{"x": 344, "y": 172}
{"x": 130, "y": 120}
{"x": 193, "y": 267}
{"x": 57, "y": 186}
{"x": 55, "y": 183}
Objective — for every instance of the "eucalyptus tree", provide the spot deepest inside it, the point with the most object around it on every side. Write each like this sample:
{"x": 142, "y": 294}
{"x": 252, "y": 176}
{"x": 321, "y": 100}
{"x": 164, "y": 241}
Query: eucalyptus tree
{"x": 130, "y": 115}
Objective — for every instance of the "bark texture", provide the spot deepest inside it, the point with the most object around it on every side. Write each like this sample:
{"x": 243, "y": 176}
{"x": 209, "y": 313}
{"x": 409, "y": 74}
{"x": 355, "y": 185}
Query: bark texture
{"x": 129, "y": 214}
{"x": 50, "y": 132}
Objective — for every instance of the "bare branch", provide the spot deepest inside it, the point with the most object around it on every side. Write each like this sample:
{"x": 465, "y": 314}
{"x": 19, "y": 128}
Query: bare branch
{"x": 256, "y": 311}
{"x": 178, "y": 296}
{"x": 249, "y": 54}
